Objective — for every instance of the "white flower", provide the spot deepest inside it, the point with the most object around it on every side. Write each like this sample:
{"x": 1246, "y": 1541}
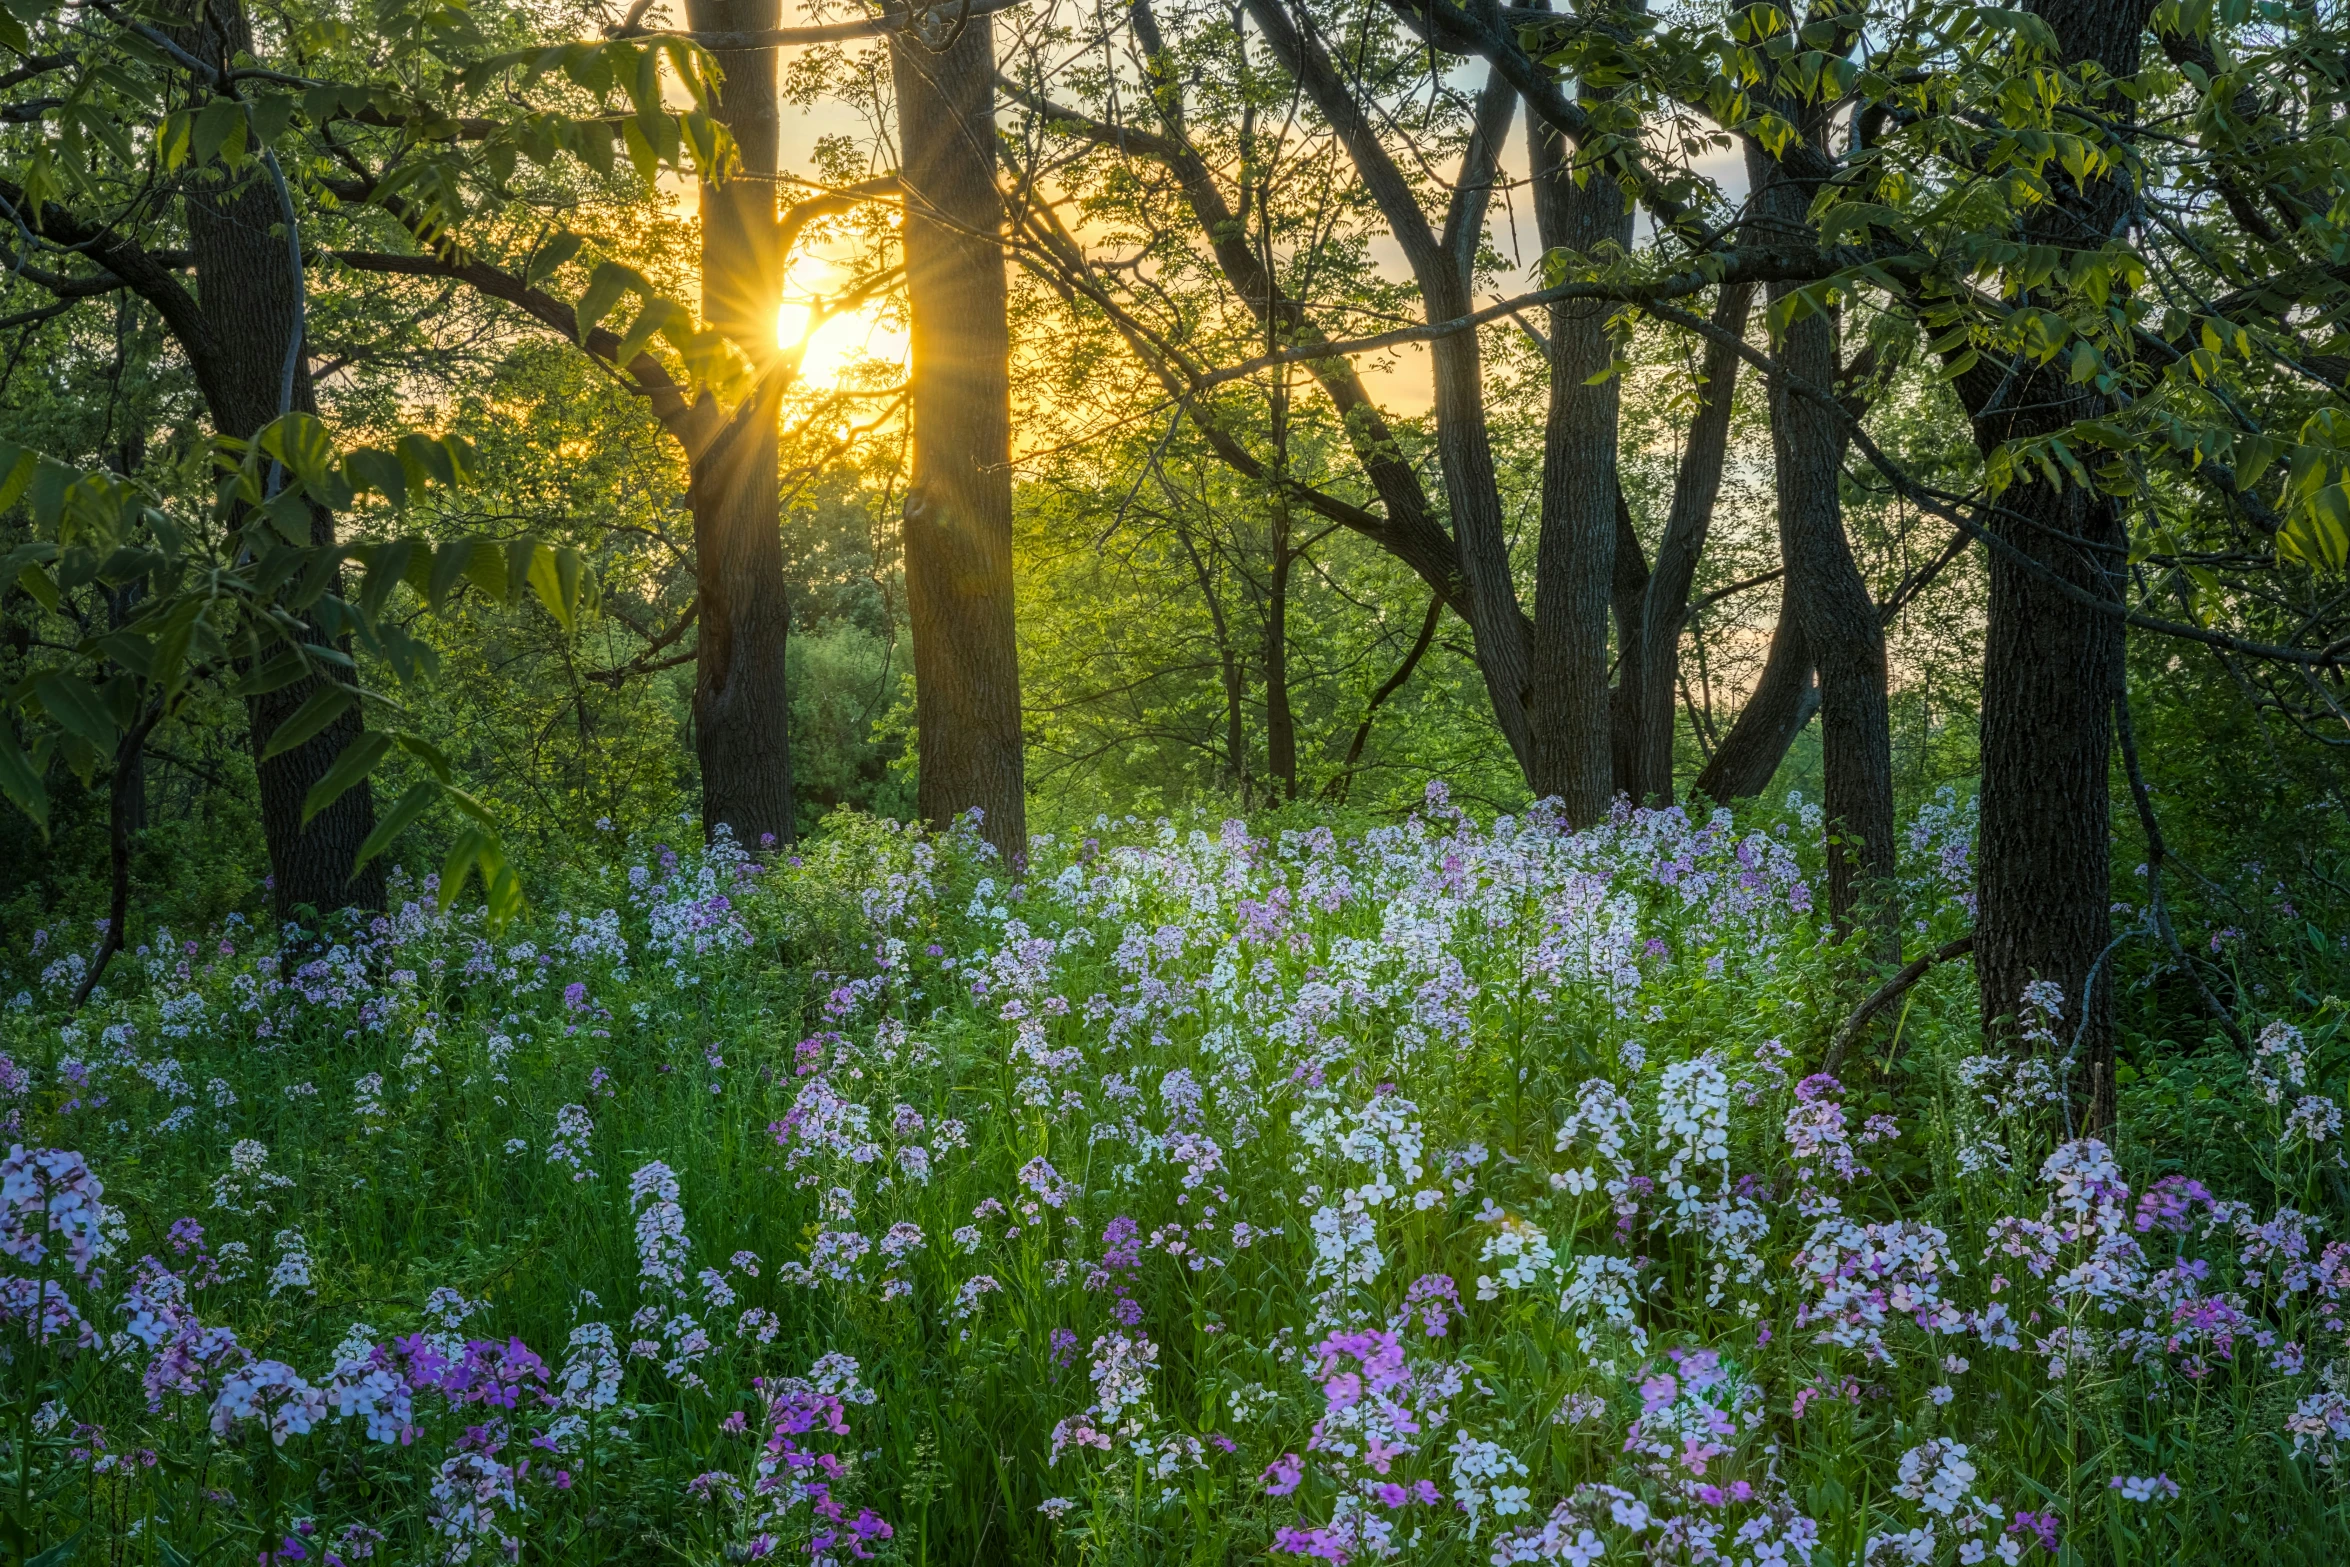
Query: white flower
{"x": 2144, "y": 1488}
{"x": 293, "y": 1265}
{"x": 1935, "y": 1475}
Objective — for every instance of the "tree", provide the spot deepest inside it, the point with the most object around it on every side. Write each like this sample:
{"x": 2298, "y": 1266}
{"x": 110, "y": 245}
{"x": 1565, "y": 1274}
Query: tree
{"x": 243, "y": 602}
{"x": 1576, "y": 733}
{"x": 2129, "y": 320}
{"x": 741, "y": 706}
{"x": 193, "y": 113}
{"x": 958, "y": 512}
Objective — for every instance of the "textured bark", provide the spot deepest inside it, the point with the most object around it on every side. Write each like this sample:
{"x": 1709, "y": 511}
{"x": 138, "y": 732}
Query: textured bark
{"x": 1697, "y": 485}
{"x": 958, "y": 515}
{"x": 2052, "y": 667}
{"x": 246, "y": 295}
{"x": 741, "y": 696}
{"x": 742, "y": 699}
{"x": 1575, "y": 554}
{"x": 1824, "y": 588}
{"x": 1783, "y": 701}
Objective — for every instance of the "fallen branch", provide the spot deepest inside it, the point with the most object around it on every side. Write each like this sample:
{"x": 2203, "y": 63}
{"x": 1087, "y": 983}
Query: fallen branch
{"x": 1890, "y": 992}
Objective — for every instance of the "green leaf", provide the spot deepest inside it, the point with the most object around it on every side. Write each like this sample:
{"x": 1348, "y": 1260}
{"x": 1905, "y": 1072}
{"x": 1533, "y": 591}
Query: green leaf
{"x": 658, "y": 315}
{"x": 74, "y": 703}
{"x": 486, "y": 567}
{"x": 606, "y": 284}
{"x": 380, "y": 471}
{"x": 272, "y": 113}
{"x": 288, "y": 513}
{"x": 17, "y": 464}
{"x": 174, "y": 140}
{"x": 279, "y": 673}
{"x": 25, "y": 555}
{"x": 386, "y": 565}
{"x": 458, "y": 867}
{"x": 428, "y": 461}
{"x": 21, "y": 781}
{"x": 552, "y": 255}
{"x": 36, "y": 582}
{"x": 220, "y": 131}
{"x": 169, "y": 664}
{"x": 555, "y": 574}
{"x": 449, "y": 564}
{"x": 323, "y": 707}
{"x": 300, "y": 441}
{"x": 357, "y": 760}
{"x": 396, "y": 821}
{"x": 431, "y": 755}
{"x": 2320, "y": 533}
{"x": 592, "y": 140}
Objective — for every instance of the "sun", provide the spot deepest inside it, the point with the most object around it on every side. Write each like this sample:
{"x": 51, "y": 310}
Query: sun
{"x": 841, "y": 344}
{"x": 849, "y": 340}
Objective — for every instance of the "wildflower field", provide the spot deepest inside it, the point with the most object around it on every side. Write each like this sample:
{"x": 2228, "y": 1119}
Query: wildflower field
{"x": 1444, "y": 1191}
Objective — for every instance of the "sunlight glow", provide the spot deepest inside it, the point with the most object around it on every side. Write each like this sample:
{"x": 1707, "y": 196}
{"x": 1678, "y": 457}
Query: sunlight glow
{"x": 841, "y": 344}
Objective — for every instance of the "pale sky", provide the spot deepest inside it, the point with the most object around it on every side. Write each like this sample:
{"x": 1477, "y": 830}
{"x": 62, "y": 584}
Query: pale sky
{"x": 1402, "y": 388}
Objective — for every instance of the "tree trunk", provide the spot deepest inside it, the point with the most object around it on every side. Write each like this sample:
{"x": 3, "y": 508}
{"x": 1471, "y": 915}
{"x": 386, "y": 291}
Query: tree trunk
{"x": 2051, "y": 666}
{"x": 1697, "y": 485}
{"x": 742, "y": 700}
{"x": 129, "y": 793}
{"x": 1228, "y": 665}
{"x": 1783, "y": 700}
{"x": 742, "y": 697}
{"x": 2050, "y": 671}
{"x": 1824, "y": 589}
{"x": 1280, "y": 722}
{"x": 246, "y": 287}
{"x": 958, "y": 514}
{"x": 1575, "y": 553}
{"x": 1627, "y": 704}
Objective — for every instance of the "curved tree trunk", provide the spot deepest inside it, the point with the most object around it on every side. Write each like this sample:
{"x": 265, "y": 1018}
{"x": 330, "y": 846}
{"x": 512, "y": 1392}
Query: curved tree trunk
{"x": 246, "y": 287}
{"x": 1280, "y": 719}
{"x": 958, "y": 516}
{"x": 1783, "y": 700}
{"x": 1824, "y": 589}
{"x": 1697, "y": 485}
{"x": 742, "y": 696}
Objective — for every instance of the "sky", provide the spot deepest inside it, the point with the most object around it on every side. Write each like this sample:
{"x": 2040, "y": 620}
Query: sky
{"x": 1402, "y": 387}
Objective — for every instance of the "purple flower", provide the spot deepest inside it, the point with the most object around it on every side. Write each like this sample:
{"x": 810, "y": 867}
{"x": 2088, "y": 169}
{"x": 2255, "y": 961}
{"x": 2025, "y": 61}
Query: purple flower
{"x": 2041, "y": 1526}
{"x": 1283, "y": 1475}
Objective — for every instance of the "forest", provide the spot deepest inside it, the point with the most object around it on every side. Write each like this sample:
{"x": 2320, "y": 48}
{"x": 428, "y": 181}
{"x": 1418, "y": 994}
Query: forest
{"x": 949, "y": 781}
